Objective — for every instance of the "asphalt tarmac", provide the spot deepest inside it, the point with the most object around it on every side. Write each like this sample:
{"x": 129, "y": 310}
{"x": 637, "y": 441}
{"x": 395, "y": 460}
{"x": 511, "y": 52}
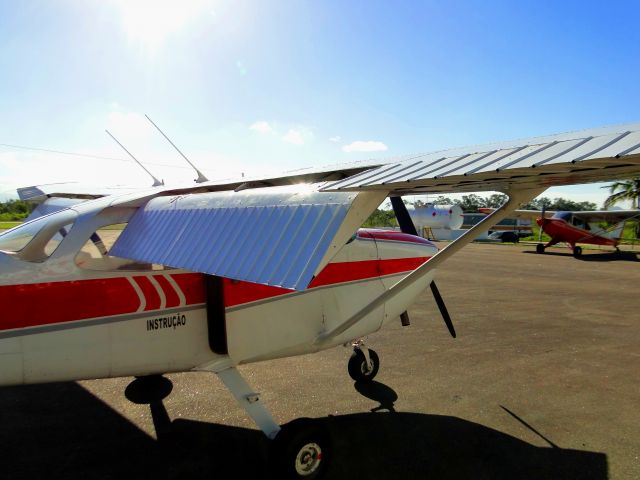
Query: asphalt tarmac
{"x": 541, "y": 383}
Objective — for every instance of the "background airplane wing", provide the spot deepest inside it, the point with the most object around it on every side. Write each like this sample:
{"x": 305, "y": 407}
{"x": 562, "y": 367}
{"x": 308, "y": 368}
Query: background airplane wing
{"x": 530, "y": 214}
{"x": 611, "y": 216}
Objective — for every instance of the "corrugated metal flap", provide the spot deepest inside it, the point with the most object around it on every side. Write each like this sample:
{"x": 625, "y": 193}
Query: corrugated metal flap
{"x": 271, "y": 236}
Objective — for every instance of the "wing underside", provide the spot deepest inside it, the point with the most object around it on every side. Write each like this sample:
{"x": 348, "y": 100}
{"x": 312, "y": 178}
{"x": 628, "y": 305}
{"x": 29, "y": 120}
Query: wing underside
{"x": 579, "y": 157}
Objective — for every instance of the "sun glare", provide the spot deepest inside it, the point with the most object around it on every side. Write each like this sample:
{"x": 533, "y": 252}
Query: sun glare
{"x": 150, "y": 22}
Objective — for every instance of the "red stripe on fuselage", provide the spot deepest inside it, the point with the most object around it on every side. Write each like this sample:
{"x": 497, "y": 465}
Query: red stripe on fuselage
{"x": 237, "y": 293}
{"x": 172, "y": 297}
{"x": 192, "y": 286}
{"x": 391, "y": 235}
{"x": 149, "y": 291}
{"x": 30, "y": 305}
{"x": 35, "y": 304}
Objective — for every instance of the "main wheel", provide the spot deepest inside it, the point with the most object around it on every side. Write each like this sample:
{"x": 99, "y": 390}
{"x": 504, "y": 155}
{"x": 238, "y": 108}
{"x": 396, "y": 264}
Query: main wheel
{"x": 510, "y": 237}
{"x": 540, "y": 248}
{"x": 358, "y": 368}
{"x": 302, "y": 449}
{"x": 577, "y": 252}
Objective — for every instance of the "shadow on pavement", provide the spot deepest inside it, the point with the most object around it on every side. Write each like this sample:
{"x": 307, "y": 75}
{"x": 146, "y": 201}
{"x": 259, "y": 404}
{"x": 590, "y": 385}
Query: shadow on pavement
{"x": 593, "y": 256}
{"x": 63, "y": 431}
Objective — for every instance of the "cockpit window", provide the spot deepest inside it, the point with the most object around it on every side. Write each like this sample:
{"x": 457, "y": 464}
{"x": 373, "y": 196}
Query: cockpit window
{"x": 94, "y": 255}
{"x": 35, "y": 241}
{"x": 566, "y": 216}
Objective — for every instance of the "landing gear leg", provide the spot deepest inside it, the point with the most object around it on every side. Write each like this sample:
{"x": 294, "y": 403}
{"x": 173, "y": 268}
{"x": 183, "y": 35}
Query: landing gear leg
{"x": 364, "y": 363}
{"x": 300, "y": 449}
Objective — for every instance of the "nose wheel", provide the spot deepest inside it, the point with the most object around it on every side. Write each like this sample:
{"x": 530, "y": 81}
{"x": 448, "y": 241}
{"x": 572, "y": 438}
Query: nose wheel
{"x": 363, "y": 364}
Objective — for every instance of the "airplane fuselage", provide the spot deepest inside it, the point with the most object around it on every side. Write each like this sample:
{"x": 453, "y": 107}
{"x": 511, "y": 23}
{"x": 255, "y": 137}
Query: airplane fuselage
{"x": 71, "y": 313}
{"x": 562, "y": 231}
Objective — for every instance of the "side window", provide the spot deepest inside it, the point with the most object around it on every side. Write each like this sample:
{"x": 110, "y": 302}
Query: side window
{"x": 94, "y": 255}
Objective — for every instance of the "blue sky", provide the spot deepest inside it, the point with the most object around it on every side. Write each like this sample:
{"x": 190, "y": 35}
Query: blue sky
{"x": 264, "y": 86}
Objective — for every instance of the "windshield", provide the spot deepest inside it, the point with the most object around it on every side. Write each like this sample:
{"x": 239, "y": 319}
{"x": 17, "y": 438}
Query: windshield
{"x": 15, "y": 239}
{"x": 36, "y": 240}
{"x": 566, "y": 216}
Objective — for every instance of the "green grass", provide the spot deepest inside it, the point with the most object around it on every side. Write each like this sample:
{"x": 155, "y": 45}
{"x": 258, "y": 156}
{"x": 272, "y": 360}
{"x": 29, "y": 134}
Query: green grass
{"x": 8, "y": 225}
{"x": 117, "y": 226}
{"x": 534, "y": 236}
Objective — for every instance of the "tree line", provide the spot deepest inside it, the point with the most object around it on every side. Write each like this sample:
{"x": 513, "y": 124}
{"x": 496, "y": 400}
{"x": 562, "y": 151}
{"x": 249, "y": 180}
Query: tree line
{"x": 472, "y": 202}
{"x": 15, "y": 210}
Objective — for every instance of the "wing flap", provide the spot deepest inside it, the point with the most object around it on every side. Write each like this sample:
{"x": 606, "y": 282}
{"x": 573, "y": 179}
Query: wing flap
{"x": 269, "y": 236}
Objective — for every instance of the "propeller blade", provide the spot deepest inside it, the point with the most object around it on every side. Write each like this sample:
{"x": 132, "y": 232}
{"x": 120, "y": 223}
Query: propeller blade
{"x": 443, "y": 309}
{"x": 544, "y": 208}
{"x": 407, "y": 226}
{"x": 403, "y": 217}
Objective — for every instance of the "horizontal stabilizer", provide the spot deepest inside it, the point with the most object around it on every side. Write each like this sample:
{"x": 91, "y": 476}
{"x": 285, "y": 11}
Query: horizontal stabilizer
{"x": 51, "y": 205}
{"x": 39, "y": 193}
{"x": 275, "y": 236}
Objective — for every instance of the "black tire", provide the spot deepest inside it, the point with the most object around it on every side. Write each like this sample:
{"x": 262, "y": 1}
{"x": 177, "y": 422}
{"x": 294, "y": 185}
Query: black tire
{"x": 301, "y": 450}
{"x": 358, "y": 366}
{"x": 577, "y": 252}
{"x": 539, "y": 248}
{"x": 510, "y": 237}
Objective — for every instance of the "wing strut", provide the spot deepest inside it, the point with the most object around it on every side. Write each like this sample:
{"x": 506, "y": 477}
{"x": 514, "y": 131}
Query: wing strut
{"x": 516, "y": 198}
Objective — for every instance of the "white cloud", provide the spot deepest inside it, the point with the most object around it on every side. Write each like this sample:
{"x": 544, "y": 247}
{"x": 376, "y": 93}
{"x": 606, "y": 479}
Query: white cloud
{"x": 293, "y": 136}
{"x": 365, "y": 146}
{"x": 335, "y": 139}
{"x": 261, "y": 127}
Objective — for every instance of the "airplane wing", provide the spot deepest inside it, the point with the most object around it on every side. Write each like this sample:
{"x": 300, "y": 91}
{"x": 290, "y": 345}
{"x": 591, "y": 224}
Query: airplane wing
{"x": 529, "y": 214}
{"x": 577, "y": 157}
{"x": 584, "y": 156}
{"x": 40, "y": 193}
{"x": 275, "y": 236}
{"x": 611, "y": 216}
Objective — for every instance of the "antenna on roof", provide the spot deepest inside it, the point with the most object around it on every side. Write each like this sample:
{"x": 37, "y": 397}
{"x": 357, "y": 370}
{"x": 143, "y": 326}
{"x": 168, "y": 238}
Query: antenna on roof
{"x": 156, "y": 182}
{"x": 201, "y": 178}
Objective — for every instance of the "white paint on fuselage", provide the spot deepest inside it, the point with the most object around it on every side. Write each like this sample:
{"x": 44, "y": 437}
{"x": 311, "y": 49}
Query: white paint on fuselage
{"x": 122, "y": 346}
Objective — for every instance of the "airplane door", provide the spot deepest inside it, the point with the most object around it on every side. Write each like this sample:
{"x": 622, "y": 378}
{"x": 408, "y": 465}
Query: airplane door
{"x": 216, "y": 321}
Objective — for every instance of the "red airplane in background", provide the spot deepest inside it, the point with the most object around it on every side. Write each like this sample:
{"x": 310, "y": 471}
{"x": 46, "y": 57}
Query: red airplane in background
{"x": 585, "y": 227}
{"x": 578, "y": 227}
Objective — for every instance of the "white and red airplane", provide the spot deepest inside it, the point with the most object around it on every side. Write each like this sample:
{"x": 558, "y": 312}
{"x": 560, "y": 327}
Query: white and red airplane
{"x": 583, "y": 226}
{"x": 213, "y": 275}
